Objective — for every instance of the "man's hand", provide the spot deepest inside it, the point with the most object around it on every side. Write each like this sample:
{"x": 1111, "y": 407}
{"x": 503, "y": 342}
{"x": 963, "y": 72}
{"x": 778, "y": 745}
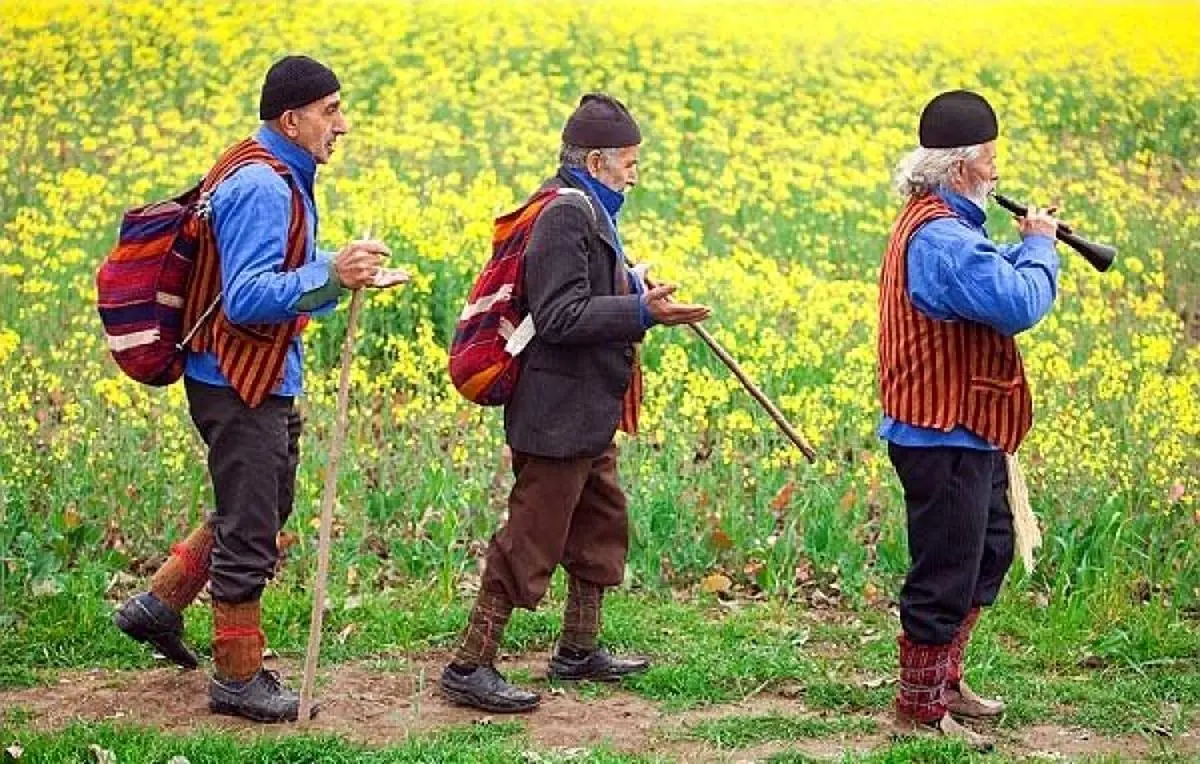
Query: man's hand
{"x": 665, "y": 311}
{"x": 1038, "y": 222}
{"x": 390, "y": 277}
{"x": 358, "y": 263}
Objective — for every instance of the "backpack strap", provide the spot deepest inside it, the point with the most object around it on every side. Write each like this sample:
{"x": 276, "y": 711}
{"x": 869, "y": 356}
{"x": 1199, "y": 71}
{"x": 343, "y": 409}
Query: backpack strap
{"x": 231, "y": 164}
{"x": 567, "y": 192}
{"x": 244, "y": 154}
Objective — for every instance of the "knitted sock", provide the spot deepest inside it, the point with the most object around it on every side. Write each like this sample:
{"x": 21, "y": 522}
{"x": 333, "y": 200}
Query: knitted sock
{"x": 923, "y": 670}
{"x": 484, "y": 629}
{"x": 185, "y": 573}
{"x": 238, "y": 639}
{"x": 958, "y": 648}
{"x": 581, "y": 616}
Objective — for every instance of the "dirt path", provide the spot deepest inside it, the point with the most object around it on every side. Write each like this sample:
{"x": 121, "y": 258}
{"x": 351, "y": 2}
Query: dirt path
{"x": 379, "y": 707}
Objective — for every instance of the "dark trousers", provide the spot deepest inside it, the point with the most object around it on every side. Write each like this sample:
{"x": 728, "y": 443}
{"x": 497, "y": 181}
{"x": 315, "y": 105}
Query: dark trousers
{"x": 960, "y": 536}
{"x": 561, "y": 511}
{"x": 253, "y": 454}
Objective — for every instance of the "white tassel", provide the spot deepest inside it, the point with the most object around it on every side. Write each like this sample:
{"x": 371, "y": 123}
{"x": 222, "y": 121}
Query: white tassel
{"x": 1025, "y": 524}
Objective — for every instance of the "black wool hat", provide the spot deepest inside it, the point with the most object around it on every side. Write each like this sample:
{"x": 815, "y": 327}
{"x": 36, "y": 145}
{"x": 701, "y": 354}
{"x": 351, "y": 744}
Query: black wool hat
{"x": 292, "y": 82}
{"x": 957, "y": 118}
{"x": 601, "y": 122}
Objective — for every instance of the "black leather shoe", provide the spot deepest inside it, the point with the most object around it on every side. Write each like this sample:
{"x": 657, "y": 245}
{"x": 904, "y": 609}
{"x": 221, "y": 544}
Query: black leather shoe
{"x": 146, "y": 618}
{"x": 599, "y": 665}
{"x": 484, "y": 688}
{"x": 262, "y": 699}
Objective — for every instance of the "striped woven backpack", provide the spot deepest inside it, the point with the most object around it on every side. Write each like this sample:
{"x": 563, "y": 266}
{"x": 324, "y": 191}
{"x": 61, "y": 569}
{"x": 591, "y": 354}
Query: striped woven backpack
{"x": 142, "y": 284}
{"x": 494, "y": 327}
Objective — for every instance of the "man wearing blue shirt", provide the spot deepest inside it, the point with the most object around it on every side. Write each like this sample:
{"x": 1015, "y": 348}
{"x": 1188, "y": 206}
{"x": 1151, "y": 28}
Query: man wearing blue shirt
{"x": 264, "y": 276}
{"x": 955, "y": 397}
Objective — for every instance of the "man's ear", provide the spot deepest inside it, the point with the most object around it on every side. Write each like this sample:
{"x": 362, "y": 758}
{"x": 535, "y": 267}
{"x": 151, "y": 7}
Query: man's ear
{"x": 958, "y": 172}
{"x": 594, "y": 161}
{"x": 289, "y": 124}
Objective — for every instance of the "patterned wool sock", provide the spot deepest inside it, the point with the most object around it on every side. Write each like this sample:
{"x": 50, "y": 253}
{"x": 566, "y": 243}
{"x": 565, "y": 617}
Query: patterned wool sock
{"x": 581, "y": 616}
{"x": 238, "y": 639}
{"x": 485, "y": 627}
{"x": 185, "y": 573}
{"x": 923, "y": 670}
{"x": 958, "y": 648}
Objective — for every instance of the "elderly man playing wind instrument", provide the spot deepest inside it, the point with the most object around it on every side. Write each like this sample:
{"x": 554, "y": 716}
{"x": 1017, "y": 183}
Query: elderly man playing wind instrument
{"x": 955, "y": 397}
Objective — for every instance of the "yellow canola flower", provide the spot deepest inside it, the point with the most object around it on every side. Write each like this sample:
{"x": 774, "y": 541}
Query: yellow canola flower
{"x": 771, "y": 129}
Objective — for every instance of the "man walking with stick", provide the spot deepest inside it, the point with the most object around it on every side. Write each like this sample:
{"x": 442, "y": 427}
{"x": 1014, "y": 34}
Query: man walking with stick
{"x": 580, "y": 381}
{"x": 955, "y": 397}
{"x": 260, "y": 271}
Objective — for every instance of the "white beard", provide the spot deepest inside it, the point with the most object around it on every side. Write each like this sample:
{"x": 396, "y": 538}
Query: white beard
{"x": 979, "y": 200}
{"x": 979, "y": 195}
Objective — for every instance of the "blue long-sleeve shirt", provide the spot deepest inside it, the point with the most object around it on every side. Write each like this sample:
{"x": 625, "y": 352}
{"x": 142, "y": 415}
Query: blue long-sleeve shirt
{"x": 956, "y": 273}
{"x": 251, "y": 211}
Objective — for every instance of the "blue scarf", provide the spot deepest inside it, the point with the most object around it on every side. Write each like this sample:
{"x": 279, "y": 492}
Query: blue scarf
{"x": 609, "y": 199}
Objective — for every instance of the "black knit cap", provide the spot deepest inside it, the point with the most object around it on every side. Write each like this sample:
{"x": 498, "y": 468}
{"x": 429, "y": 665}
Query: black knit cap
{"x": 292, "y": 82}
{"x": 957, "y": 118}
{"x": 601, "y": 122}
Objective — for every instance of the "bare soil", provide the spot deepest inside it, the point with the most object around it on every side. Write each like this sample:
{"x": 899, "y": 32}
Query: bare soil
{"x": 381, "y": 707}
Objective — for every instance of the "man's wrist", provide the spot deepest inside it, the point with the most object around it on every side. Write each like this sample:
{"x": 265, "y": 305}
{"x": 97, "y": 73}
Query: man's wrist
{"x": 648, "y": 319}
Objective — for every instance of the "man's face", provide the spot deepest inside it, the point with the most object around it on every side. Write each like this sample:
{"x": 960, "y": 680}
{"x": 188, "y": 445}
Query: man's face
{"x": 316, "y": 126}
{"x": 618, "y": 171}
{"x": 976, "y": 178}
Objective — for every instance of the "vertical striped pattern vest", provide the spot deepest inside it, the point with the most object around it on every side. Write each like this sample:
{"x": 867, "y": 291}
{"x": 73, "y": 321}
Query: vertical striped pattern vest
{"x": 941, "y": 374}
{"x": 251, "y": 356}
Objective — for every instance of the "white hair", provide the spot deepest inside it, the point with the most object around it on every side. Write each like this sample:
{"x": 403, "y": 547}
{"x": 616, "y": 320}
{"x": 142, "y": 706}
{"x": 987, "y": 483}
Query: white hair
{"x": 576, "y": 156}
{"x": 924, "y": 171}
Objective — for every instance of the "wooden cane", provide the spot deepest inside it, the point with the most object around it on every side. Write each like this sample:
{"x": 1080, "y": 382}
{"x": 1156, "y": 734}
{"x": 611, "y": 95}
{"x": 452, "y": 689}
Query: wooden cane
{"x": 758, "y": 395}
{"x": 331, "y": 473}
{"x": 797, "y": 439}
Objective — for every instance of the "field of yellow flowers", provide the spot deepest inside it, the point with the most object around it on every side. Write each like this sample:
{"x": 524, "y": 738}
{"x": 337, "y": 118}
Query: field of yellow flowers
{"x": 771, "y": 131}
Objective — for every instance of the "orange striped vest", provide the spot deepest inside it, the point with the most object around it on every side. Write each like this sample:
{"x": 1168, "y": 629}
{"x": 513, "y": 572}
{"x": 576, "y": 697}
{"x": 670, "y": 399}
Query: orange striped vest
{"x": 941, "y": 374}
{"x": 251, "y": 356}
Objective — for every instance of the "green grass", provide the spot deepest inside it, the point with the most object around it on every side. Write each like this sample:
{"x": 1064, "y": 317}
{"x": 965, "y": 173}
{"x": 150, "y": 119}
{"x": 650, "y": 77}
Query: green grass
{"x": 493, "y": 743}
{"x": 1048, "y": 666}
{"x": 943, "y": 752}
{"x": 926, "y": 752}
{"x": 475, "y": 744}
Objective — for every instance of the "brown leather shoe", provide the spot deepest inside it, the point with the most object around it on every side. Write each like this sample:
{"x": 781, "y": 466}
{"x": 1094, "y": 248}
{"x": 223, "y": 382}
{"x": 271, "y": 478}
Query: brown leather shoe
{"x": 962, "y": 701}
{"x": 945, "y": 727}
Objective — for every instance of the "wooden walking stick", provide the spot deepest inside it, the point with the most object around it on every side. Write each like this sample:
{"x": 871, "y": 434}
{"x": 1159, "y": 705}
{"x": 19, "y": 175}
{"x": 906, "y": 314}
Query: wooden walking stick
{"x": 797, "y": 439}
{"x": 331, "y": 473}
{"x": 758, "y": 395}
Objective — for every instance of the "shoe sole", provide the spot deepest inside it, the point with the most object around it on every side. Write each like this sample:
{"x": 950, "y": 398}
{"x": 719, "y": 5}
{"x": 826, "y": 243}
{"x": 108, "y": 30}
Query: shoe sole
{"x": 467, "y": 699}
{"x": 608, "y": 677}
{"x": 902, "y": 731}
{"x": 229, "y": 709}
{"x": 127, "y": 627}
{"x": 976, "y": 717}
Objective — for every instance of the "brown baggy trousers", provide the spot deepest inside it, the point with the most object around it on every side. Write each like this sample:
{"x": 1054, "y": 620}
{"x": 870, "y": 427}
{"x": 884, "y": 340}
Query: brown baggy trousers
{"x": 561, "y": 511}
